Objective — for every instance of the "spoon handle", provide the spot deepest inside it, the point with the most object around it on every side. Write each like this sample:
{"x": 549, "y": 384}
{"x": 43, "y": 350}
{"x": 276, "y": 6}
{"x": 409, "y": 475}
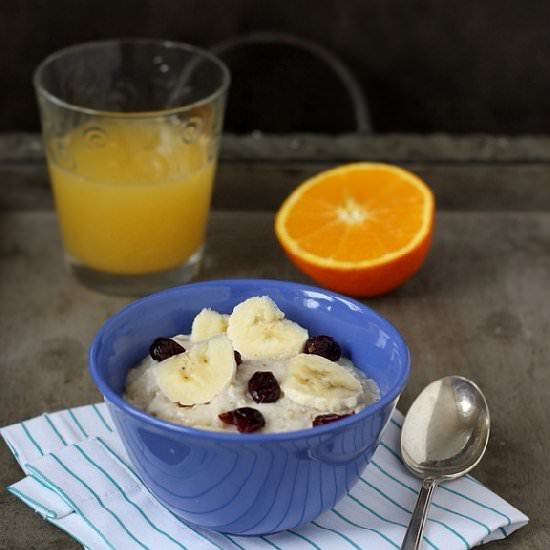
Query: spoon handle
{"x": 413, "y": 536}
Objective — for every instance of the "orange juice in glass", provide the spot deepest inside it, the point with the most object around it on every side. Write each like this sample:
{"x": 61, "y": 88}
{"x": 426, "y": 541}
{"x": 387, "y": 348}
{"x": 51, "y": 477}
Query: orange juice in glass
{"x": 131, "y": 130}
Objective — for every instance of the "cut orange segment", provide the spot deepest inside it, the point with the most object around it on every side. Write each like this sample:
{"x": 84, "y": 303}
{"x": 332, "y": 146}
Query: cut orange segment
{"x": 361, "y": 229}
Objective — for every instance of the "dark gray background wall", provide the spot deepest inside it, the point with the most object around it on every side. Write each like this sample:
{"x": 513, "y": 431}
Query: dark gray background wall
{"x": 424, "y": 65}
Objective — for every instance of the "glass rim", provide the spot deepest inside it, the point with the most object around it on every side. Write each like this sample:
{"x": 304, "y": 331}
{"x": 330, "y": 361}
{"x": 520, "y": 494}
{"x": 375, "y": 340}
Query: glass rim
{"x": 58, "y": 54}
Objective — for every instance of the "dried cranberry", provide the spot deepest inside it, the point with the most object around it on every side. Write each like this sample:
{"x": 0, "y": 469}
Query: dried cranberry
{"x": 227, "y": 417}
{"x": 246, "y": 419}
{"x": 263, "y": 387}
{"x": 238, "y": 358}
{"x": 328, "y": 418}
{"x": 325, "y": 346}
{"x": 163, "y": 348}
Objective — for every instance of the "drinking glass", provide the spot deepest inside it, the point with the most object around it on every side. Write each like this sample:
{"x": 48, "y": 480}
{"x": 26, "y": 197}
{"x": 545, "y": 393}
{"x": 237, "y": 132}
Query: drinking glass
{"x": 131, "y": 131}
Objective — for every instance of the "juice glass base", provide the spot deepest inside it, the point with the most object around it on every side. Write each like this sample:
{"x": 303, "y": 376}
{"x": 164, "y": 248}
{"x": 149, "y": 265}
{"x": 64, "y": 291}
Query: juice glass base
{"x": 134, "y": 285}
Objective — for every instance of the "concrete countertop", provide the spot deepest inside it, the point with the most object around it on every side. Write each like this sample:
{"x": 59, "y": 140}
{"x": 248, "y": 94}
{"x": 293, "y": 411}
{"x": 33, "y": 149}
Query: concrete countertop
{"x": 479, "y": 307}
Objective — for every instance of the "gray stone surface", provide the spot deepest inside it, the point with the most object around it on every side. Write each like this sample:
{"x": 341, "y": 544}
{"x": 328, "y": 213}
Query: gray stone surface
{"x": 479, "y": 307}
{"x": 485, "y": 173}
{"x": 17, "y": 148}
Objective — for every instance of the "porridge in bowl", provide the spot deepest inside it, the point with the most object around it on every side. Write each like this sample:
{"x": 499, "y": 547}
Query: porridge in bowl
{"x": 252, "y": 370}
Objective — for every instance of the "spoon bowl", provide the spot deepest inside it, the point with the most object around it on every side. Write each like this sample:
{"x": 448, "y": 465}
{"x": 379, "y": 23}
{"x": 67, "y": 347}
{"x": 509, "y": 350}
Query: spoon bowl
{"x": 444, "y": 436}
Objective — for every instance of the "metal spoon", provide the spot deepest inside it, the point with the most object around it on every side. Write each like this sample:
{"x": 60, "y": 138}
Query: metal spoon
{"x": 444, "y": 435}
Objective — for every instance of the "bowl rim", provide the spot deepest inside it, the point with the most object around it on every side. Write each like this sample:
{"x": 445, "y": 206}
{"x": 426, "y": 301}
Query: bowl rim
{"x": 115, "y": 399}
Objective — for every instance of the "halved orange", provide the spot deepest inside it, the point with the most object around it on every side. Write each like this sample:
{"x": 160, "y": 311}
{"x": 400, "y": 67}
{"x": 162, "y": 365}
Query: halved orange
{"x": 361, "y": 229}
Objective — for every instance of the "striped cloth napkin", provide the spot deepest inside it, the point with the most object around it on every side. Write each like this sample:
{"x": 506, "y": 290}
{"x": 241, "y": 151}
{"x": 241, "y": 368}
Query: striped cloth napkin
{"x": 78, "y": 477}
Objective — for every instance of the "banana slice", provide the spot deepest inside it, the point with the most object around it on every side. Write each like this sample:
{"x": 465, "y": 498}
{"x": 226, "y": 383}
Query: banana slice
{"x": 199, "y": 374}
{"x": 258, "y": 330}
{"x": 317, "y": 382}
{"x": 208, "y": 323}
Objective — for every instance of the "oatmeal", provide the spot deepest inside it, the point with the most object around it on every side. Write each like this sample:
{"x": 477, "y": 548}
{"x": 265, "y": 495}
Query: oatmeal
{"x": 253, "y": 370}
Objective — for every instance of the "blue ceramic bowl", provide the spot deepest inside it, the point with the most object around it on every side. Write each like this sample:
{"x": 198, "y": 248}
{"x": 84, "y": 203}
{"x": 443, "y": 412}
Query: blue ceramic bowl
{"x": 249, "y": 483}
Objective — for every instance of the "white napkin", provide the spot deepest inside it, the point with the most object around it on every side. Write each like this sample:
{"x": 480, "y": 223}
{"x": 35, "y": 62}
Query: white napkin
{"x": 79, "y": 478}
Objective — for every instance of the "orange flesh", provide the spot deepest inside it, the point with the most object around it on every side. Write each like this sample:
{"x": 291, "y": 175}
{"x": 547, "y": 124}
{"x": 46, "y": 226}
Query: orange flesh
{"x": 355, "y": 216}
